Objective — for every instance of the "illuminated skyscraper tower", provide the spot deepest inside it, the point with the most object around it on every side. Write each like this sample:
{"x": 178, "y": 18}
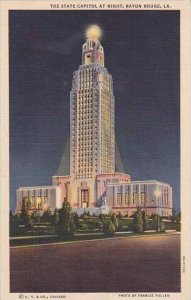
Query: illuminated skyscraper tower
{"x": 93, "y": 182}
{"x": 92, "y": 135}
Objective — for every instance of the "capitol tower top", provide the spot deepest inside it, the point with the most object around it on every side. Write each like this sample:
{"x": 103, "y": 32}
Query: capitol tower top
{"x": 92, "y": 51}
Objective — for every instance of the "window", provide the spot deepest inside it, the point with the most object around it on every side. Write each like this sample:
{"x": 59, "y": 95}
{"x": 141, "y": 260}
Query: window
{"x": 135, "y": 198}
{"x": 126, "y": 199}
{"x": 143, "y": 198}
{"x": 119, "y": 199}
{"x": 33, "y": 201}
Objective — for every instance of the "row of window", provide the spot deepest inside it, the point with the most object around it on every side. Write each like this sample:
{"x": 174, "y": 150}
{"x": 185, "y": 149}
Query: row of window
{"x": 86, "y": 169}
{"x": 127, "y": 198}
{"x": 85, "y": 101}
{"x": 34, "y": 193}
{"x": 86, "y": 143}
{"x": 84, "y": 113}
{"x": 86, "y": 72}
{"x": 133, "y": 188}
{"x": 85, "y": 130}
{"x": 85, "y": 92}
{"x": 135, "y": 200}
{"x": 86, "y": 135}
{"x": 85, "y": 79}
{"x": 85, "y": 122}
{"x": 82, "y": 149}
{"x": 85, "y": 75}
{"x": 85, "y": 84}
{"x": 87, "y": 172}
{"x": 83, "y": 176}
{"x": 84, "y": 119}
{"x": 36, "y": 201}
{"x": 83, "y": 106}
{"x": 85, "y": 159}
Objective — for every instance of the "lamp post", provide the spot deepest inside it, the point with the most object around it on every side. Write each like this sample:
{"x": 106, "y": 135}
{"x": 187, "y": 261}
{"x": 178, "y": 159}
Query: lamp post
{"x": 157, "y": 194}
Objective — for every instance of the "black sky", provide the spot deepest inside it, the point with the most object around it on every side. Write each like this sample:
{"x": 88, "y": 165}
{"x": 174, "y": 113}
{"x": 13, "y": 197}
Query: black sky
{"x": 142, "y": 54}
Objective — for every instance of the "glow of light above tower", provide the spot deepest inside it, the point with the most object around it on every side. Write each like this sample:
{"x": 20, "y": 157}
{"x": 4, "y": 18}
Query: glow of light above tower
{"x": 93, "y": 32}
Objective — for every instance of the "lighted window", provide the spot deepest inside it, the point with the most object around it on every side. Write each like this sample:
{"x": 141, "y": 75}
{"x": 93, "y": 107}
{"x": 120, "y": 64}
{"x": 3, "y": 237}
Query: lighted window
{"x": 135, "y": 198}
{"x": 126, "y": 198}
{"x": 142, "y": 198}
{"x": 119, "y": 199}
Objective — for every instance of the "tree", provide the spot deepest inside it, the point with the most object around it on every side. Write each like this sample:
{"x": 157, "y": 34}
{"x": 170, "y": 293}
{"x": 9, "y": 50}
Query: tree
{"x": 162, "y": 227}
{"x": 47, "y": 216}
{"x": 145, "y": 221}
{"x": 11, "y": 216}
{"x": 55, "y": 217}
{"x": 108, "y": 227}
{"x": 24, "y": 215}
{"x": 76, "y": 219}
{"x": 72, "y": 226}
{"x": 34, "y": 217}
{"x": 156, "y": 222}
{"x": 13, "y": 224}
{"x": 138, "y": 221}
{"x": 173, "y": 217}
{"x": 178, "y": 218}
{"x": 66, "y": 225}
{"x": 88, "y": 213}
{"x": 114, "y": 220}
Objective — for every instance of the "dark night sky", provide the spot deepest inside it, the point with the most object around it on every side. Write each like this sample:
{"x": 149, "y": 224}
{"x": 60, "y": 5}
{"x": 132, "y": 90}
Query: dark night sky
{"x": 142, "y": 54}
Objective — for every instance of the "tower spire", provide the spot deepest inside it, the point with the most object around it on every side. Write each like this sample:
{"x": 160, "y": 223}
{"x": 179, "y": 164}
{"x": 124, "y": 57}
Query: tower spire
{"x": 92, "y": 50}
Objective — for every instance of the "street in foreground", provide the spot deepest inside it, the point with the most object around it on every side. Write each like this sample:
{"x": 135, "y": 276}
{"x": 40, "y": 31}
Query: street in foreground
{"x": 142, "y": 264}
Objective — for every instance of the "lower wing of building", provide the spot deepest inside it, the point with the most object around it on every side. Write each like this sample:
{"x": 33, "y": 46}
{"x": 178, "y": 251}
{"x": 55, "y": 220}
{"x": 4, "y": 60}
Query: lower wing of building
{"x": 107, "y": 192}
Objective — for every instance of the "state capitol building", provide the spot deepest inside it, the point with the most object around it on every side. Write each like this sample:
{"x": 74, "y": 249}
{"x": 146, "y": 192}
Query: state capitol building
{"x": 93, "y": 185}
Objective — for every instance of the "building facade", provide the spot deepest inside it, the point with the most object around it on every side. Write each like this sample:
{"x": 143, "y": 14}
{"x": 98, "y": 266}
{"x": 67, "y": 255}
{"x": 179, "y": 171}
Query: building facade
{"x": 39, "y": 198}
{"x": 92, "y": 135}
{"x": 93, "y": 183}
{"x": 152, "y": 196}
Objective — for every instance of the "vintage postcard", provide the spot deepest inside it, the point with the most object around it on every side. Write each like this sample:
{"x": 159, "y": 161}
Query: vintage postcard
{"x": 95, "y": 150}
